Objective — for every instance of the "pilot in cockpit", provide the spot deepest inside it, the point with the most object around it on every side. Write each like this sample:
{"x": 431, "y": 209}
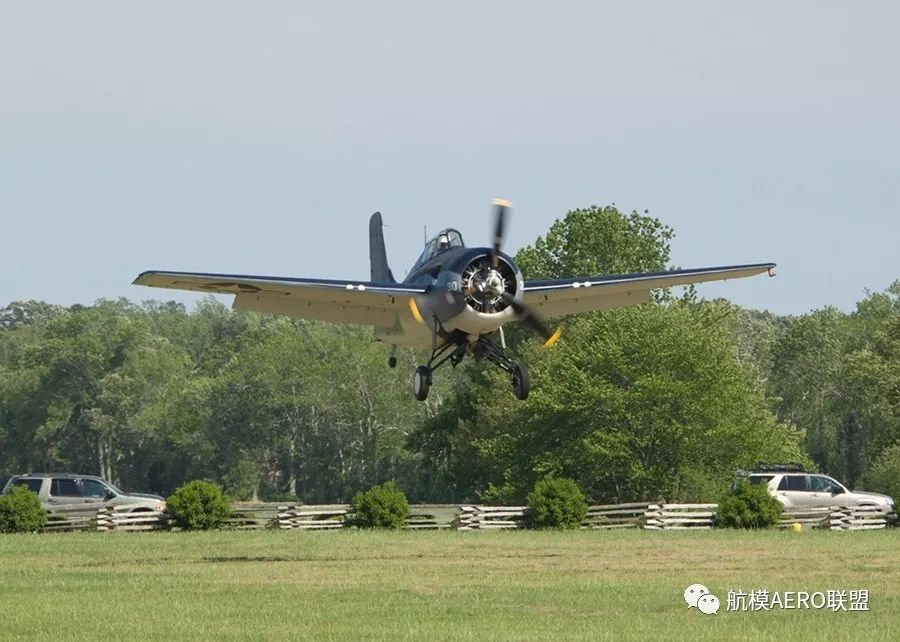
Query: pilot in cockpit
{"x": 443, "y": 243}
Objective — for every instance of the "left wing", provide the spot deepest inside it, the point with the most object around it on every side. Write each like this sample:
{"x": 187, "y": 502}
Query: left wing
{"x": 560, "y": 297}
{"x": 359, "y": 302}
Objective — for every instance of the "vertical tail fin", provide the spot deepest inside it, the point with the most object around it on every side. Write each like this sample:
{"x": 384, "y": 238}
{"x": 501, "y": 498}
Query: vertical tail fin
{"x": 381, "y": 273}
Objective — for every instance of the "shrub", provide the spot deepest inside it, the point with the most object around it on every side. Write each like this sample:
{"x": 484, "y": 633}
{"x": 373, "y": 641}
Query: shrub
{"x": 198, "y": 506}
{"x": 557, "y": 503}
{"x": 382, "y": 506}
{"x": 748, "y": 506}
{"x": 21, "y": 511}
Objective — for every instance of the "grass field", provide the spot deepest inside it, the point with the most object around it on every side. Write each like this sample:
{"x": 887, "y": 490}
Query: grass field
{"x": 437, "y": 585}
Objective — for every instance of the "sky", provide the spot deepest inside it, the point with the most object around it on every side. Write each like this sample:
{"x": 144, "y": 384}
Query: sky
{"x": 257, "y": 138}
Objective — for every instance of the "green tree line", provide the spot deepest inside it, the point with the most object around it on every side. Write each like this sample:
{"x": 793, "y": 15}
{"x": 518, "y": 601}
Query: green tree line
{"x": 665, "y": 399}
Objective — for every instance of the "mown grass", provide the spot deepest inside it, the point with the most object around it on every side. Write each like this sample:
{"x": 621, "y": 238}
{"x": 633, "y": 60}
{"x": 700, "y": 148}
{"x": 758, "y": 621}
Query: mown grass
{"x": 436, "y": 585}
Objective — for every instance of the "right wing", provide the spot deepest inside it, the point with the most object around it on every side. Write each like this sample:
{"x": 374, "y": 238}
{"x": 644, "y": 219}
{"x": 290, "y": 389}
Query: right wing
{"x": 359, "y": 302}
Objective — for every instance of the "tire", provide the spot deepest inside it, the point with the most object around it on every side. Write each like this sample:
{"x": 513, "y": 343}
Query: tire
{"x": 422, "y": 382}
{"x": 392, "y": 362}
{"x": 520, "y": 382}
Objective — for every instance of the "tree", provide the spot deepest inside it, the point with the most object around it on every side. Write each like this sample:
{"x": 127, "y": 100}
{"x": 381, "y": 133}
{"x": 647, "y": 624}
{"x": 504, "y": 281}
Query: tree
{"x": 634, "y": 404}
{"x": 598, "y": 240}
{"x": 837, "y": 377}
{"x": 312, "y": 410}
{"x": 19, "y": 314}
{"x": 883, "y": 475}
{"x": 808, "y": 371}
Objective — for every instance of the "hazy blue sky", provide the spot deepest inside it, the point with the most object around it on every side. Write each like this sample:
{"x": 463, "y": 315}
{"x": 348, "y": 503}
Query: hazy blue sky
{"x": 258, "y": 137}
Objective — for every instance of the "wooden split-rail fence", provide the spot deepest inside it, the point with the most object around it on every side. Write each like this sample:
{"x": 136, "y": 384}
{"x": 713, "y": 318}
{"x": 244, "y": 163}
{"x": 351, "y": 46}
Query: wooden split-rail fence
{"x": 607, "y": 516}
{"x": 675, "y": 517}
{"x": 668, "y": 517}
{"x": 332, "y": 516}
{"x": 109, "y": 519}
{"x": 485, "y": 518}
{"x": 806, "y": 517}
{"x": 857, "y": 518}
{"x": 92, "y": 518}
{"x": 659, "y": 516}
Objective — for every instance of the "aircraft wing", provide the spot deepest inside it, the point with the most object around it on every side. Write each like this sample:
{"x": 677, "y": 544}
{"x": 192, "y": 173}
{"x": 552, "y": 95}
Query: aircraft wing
{"x": 560, "y": 297}
{"x": 359, "y": 302}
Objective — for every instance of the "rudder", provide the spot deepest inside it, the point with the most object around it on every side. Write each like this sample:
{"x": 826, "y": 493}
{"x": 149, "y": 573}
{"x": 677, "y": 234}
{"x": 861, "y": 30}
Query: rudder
{"x": 381, "y": 273}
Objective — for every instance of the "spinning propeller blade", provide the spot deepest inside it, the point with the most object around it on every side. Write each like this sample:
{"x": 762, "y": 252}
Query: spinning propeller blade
{"x": 500, "y": 218}
{"x": 524, "y": 313}
{"x": 533, "y": 321}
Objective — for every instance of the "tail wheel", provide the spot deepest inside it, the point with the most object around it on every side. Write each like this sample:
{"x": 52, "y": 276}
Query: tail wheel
{"x": 520, "y": 382}
{"x": 422, "y": 382}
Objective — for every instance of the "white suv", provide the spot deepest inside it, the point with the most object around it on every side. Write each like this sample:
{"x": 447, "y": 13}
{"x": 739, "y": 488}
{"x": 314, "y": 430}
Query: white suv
{"x": 798, "y": 489}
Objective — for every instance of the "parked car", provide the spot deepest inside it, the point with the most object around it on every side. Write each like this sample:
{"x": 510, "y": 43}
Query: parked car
{"x": 796, "y": 488}
{"x": 67, "y": 490}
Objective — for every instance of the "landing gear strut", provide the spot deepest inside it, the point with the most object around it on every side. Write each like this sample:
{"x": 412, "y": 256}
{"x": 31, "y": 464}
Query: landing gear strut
{"x": 518, "y": 373}
{"x": 454, "y": 350}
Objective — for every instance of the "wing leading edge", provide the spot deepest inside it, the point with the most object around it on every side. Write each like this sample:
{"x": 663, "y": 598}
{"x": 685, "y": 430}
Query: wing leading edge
{"x": 359, "y": 302}
{"x": 568, "y": 296}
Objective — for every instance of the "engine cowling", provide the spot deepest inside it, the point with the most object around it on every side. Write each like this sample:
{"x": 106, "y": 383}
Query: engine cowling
{"x": 472, "y": 295}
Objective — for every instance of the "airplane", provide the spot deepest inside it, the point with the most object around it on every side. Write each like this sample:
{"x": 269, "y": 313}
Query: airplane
{"x": 453, "y": 299}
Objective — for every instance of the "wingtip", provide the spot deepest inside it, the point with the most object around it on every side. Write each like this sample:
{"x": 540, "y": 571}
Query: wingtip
{"x": 140, "y": 279}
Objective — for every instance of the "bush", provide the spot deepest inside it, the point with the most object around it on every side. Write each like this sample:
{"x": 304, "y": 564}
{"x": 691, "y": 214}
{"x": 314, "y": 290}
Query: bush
{"x": 748, "y": 506}
{"x": 21, "y": 511}
{"x": 557, "y": 503}
{"x": 198, "y": 506}
{"x": 382, "y": 506}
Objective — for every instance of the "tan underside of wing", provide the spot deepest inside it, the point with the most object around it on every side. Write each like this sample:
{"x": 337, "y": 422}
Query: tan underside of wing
{"x": 559, "y": 306}
{"x": 352, "y": 294}
{"x": 348, "y": 303}
{"x": 337, "y": 310}
{"x": 586, "y": 296}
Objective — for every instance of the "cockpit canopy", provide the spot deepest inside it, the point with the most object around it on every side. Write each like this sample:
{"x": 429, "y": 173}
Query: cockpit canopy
{"x": 445, "y": 240}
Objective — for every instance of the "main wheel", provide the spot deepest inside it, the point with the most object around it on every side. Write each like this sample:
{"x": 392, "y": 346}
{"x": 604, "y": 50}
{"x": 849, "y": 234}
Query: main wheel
{"x": 520, "y": 382}
{"x": 422, "y": 382}
{"x": 392, "y": 362}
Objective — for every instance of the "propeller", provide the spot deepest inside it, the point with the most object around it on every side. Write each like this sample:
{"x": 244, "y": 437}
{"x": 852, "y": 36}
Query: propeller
{"x": 502, "y": 206}
{"x": 529, "y": 318}
{"x": 524, "y": 313}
